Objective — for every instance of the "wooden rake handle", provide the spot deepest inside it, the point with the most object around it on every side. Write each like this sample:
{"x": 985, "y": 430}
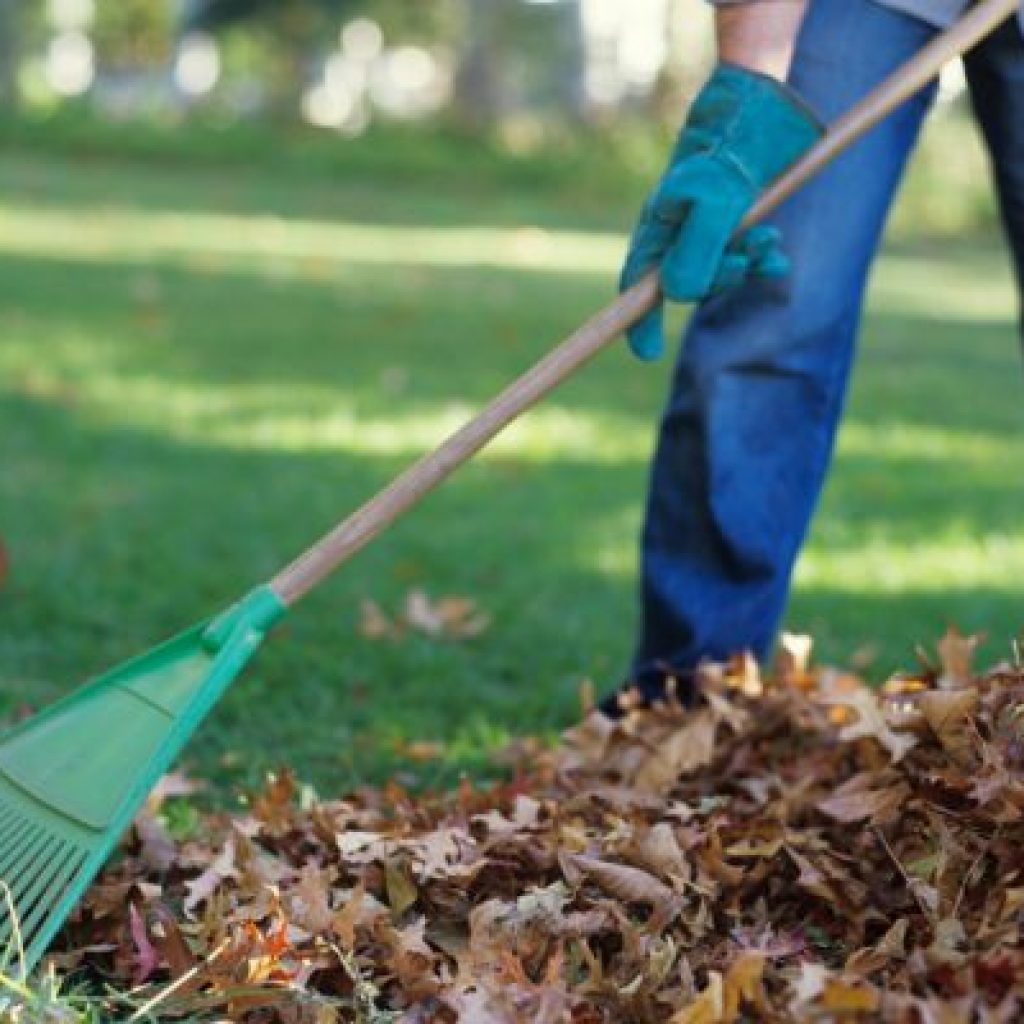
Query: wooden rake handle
{"x": 367, "y": 522}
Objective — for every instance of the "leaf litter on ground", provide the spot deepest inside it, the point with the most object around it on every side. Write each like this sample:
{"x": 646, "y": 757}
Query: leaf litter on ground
{"x": 796, "y": 847}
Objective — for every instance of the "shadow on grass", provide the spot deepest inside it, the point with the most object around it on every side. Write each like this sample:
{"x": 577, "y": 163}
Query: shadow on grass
{"x": 149, "y": 479}
{"x": 126, "y": 184}
{"x": 114, "y": 554}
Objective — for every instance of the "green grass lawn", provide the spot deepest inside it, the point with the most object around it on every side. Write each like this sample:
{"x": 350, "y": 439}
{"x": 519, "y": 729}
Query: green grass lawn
{"x": 201, "y": 370}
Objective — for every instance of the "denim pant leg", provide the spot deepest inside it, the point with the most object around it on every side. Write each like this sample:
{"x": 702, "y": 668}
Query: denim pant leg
{"x": 995, "y": 71}
{"x": 747, "y": 434}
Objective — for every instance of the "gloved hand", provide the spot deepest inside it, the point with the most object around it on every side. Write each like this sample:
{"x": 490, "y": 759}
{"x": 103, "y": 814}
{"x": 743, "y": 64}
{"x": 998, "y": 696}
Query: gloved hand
{"x": 744, "y": 129}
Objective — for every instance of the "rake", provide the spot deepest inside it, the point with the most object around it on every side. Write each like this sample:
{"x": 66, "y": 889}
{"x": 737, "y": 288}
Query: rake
{"x": 73, "y": 777}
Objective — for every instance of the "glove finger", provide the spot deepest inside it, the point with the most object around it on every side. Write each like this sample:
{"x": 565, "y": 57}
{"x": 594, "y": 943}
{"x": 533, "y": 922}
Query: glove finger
{"x": 760, "y": 240}
{"x": 650, "y": 240}
{"x": 647, "y": 336}
{"x": 732, "y": 271}
{"x": 646, "y": 250}
{"x": 690, "y": 267}
{"x": 763, "y": 245}
{"x": 670, "y": 203}
{"x": 773, "y": 265}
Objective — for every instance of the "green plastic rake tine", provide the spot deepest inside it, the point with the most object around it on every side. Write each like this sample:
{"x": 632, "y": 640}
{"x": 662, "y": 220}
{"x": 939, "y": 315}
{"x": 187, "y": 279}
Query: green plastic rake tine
{"x": 19, "y": 889}
{"x": 41, "y": 922}
{"x": 13, "y": 946}
{"x": 50, "y": 886}
{"x": 11, "y": 842}
{"x": 25, "y": 860}
{"x": 32, "y": 884}
{"x": 73, "y": 778}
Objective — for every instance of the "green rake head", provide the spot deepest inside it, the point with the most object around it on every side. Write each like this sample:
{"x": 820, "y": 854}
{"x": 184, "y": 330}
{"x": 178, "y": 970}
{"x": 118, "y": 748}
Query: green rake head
{"x": 73, "y": 777}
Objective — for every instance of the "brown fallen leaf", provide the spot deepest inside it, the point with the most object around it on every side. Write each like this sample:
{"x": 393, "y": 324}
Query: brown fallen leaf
{"x": 870, "y": 721}
{"x": 456, "y": 617}
{"x": 632, "y": 885}
{"x": 948, "y": 714}
{"x": 222, "y": 868}
{"x": 374, "y": 624}
{"x": 856, "y": 800}
{"x": 707, "y": 1008}
{"x": 849, "y": 998}
{"x": 956, "y": 653}
{"x": 309, "y": 900}
{"x": 813, "y": 856}
{"x": 157, "y": 849}
{"x": 402, "y": 892}
{"x": 688, "y": 748}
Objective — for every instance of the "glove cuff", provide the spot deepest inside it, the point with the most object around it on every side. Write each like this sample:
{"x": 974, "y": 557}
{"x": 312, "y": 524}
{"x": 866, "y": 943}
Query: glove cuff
{"x": 757, "y": 121}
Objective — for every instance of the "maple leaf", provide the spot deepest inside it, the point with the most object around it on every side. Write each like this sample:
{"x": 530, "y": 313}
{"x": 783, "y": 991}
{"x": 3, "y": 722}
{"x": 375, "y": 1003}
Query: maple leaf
{"x": 723, "y": 999}
{"x": 659, "y": 851}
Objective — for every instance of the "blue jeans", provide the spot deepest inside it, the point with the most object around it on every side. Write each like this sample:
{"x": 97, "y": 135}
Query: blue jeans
{"x": 758, "y": 390}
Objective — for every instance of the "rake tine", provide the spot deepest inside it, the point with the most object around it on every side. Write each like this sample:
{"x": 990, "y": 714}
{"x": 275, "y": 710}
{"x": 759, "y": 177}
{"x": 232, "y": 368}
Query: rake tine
{"x": 40, "y": 902}
{"x": 32, "y": 863}
{"x": 49, "y": 863}
{"x": 11, "y": 844}
{"x": 23, "y": 859}
{"x": 7, "y": 815}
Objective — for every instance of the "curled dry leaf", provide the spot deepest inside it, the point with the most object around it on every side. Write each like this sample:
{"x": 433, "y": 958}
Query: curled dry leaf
{"x": 870, "y": 721}
{"x": 956, "y": 652}
{"x": 949, "y": 714}
{"x": 686, "y": 749}
{"x": 861, "y": 798}
{"x": 631, "y": 885}
{"x": 157, "y": 849}
{"x": 453, "y": 617}
{"x": 447, "y": 616}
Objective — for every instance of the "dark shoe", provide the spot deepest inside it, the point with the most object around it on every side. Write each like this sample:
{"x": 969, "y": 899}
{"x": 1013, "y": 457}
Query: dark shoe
{"x": 663, "y": 689}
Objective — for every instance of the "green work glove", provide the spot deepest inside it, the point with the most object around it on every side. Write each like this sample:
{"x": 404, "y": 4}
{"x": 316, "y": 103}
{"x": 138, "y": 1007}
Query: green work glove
{"x": 744, "y": 129}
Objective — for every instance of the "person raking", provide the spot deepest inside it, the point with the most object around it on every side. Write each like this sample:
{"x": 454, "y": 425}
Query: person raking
{"x": 758, "y": 389}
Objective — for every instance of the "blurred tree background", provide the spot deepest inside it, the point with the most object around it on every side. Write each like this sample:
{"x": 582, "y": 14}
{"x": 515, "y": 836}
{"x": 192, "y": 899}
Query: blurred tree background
{"x": 595, "y": 80}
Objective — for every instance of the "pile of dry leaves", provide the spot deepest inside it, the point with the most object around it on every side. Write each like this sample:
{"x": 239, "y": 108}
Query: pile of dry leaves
{"x": 795, "y": 849}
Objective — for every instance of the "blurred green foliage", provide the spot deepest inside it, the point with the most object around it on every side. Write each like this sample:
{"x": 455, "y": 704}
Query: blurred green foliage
{"x": 132, "y": 34}
{"x": 271, "y": 51}
{"x": 595, "y": 170}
